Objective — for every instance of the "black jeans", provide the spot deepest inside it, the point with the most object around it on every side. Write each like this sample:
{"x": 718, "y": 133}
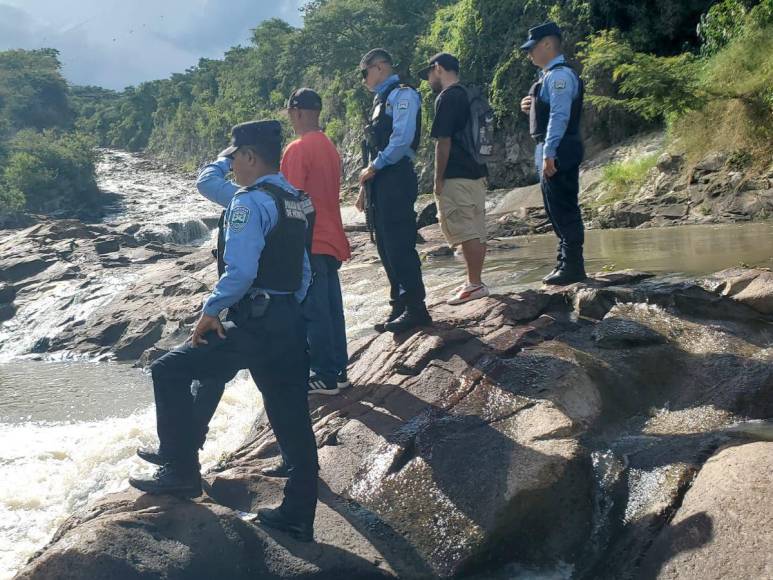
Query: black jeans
{"x": 274, "y": 349}
{"x": 560, "y": 196}
{"x": 394, "y": 190}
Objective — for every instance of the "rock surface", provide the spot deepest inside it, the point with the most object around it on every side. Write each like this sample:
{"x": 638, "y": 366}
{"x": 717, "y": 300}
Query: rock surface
{"x": 672, "y": 193}
{"x": 724, "y": 528}
{"x": 512, "y": 430}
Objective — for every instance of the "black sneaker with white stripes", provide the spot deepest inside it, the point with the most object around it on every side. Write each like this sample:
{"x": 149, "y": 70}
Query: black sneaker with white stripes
{"x": 342, "y": 380}
{"x": 320, "y": 386}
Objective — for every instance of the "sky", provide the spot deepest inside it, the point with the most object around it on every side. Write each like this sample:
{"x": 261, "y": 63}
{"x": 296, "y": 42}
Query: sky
{"x": 117, "y": 43}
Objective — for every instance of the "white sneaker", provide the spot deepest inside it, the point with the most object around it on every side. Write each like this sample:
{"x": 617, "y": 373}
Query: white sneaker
{"x": 467, "y": 293}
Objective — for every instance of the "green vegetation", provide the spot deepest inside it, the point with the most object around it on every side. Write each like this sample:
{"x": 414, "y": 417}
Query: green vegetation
{"x": 624, "y": 177}
{"x": 44, "y": 166}
{"x": 702, "y": 68}
{"x": 737, "y": 116}
{"x": 719, "y": 99}
{"x": 186, "y": 117}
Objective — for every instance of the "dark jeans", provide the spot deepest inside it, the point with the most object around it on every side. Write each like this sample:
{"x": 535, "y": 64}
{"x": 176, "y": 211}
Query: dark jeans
{"x": 325, "y": 324}
{"x": 394, "y": 191}
{"x": 560, "y": 196}
{"x": 274, "y": 349}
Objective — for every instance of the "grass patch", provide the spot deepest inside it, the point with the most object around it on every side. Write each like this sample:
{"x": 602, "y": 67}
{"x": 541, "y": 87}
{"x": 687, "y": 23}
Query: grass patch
{"x": 624, "y": 178}
{"x": 741, "y": 122}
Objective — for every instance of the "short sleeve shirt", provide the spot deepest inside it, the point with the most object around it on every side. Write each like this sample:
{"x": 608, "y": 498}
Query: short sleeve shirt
{"x": 452, "y": 111}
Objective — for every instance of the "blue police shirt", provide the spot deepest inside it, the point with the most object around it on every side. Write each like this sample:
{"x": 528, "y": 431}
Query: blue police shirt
{"x": 402, "y": 105}
{"x": 250, "y": 217}
{"x": 559, "y": 88}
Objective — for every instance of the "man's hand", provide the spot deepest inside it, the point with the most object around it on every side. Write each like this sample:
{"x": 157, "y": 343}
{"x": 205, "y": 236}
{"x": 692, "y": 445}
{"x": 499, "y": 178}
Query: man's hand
{"x": 206, "y": 324}
{"x": 367, "y": 174}
{"x": 549, "y": 167}
{"x": 360, "y": 203}
{"x": 526, "y": 104}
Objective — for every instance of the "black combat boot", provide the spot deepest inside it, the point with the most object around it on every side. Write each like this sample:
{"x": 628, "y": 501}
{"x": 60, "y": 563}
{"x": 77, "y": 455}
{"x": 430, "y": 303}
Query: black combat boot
{"x": 155, "y": 455}
{"x": 152, "y": 455}
{"x": 172, "y": 479}
{"x": 565, "y": 276}
{"x": 572, "y": 268}
{"x": 398, "y": 307}
{"x": 278, "y": 520}
{"x": 276, "y": 470}
{"x": 558, "y": 266}
{"x": 413, "y": 317}
{"x": 553, "y": 272}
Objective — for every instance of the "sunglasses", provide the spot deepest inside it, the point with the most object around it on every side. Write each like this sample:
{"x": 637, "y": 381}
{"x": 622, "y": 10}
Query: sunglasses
{"x": 231, "y": 156}
{"x": 366, "y": 71}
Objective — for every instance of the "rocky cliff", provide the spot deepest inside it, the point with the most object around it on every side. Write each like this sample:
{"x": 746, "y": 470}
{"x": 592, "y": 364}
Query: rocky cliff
{"x": 602, "y": 430}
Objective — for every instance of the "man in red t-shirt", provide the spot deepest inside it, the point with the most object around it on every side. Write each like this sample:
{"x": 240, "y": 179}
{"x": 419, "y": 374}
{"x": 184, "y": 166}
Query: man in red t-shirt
{"x": 312, "y": 163}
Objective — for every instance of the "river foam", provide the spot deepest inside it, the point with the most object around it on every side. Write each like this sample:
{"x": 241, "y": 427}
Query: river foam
{"x": 51, "y": 470}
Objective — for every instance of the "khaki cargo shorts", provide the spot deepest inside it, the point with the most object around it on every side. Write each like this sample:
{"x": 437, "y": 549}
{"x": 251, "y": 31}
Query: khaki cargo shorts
{"x": 462, "y": 210}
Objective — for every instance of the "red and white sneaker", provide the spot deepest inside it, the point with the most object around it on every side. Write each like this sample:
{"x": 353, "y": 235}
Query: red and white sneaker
{"x": 468, "y": 292}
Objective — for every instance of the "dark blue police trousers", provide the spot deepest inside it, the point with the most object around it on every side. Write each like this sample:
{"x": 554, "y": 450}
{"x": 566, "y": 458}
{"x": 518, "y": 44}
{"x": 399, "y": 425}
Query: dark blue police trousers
{"x": 274, "y": 349}
{"x": 394, "y": 190}
{"x": 560, "y": 197}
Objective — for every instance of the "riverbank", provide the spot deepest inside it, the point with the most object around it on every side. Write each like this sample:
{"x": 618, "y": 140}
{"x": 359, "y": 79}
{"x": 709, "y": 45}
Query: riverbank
{"x": 129, "y": 288}
{"x": 586, "y": 429}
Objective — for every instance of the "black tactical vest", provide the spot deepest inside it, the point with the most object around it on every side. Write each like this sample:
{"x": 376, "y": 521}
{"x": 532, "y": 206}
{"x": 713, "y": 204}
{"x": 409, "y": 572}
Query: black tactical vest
{"x": 539, "y": 114}
{"x": 281, "y": 263}
{"x": 379, "y": 130}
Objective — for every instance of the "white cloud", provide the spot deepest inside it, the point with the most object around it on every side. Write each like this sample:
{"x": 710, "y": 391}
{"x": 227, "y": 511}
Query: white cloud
{"x": 114, "y": 43}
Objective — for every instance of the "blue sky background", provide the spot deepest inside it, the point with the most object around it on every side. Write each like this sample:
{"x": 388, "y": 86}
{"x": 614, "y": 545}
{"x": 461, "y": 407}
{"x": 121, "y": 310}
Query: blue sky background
{"x": 116, "y": 43}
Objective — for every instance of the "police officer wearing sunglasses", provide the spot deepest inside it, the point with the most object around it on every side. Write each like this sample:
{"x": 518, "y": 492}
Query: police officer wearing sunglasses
{"x": 392, "y": 140}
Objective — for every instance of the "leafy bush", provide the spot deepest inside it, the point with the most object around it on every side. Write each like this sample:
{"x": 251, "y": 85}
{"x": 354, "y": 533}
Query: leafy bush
{"x": 11, "y": 201}
{"x": 739, "y": 117}
{"x": 652, "y": 86}
{"x": 729, "y": 19}
{"x": 33, "y": 92}
{"x": 49, "y": 171}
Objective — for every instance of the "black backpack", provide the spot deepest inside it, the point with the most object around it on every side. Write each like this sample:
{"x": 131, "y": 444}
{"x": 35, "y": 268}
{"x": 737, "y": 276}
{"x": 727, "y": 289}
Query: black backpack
{"x": 478, "y": 134}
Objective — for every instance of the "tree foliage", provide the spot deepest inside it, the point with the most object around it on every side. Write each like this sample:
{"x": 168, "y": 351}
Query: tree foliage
{"x": 649, "y": 58}
{"x": 43, "y": 165}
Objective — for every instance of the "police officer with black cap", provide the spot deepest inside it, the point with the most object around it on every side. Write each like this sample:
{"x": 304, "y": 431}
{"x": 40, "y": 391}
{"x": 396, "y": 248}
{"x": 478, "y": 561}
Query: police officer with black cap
{"x": 554, "y": 105}
{"x": 264, "y": 275}
{"x": 393, "y": 135}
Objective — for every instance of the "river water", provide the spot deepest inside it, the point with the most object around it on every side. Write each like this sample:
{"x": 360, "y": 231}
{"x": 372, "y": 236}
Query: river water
{"x": 70, "y": 427}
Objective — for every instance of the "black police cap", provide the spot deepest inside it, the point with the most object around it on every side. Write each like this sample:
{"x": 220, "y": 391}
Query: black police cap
{"x": 305, "y": 98}
{"x": 539, "y": 32}
{"x": 444, "y": 59}
{"x": 253, "y": 133}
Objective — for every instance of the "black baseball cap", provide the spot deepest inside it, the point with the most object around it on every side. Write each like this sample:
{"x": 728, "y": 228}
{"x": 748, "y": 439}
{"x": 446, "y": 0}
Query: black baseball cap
{"x": 444, "y": 59}
{"x": 539, "y": 32}
{"x": 253, "y": 133}
{"x": 305, "y": 98}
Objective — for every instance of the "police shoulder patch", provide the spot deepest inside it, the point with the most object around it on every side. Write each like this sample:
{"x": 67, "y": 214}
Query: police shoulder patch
{"x": 239, "y": 217}
{"x": 559, "y": 84}
{"x": 402, "y": 105}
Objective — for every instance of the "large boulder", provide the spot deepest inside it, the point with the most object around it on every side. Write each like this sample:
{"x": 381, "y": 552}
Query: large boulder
{"x": 724, "y": 528}
{"x": 131, "y": 535}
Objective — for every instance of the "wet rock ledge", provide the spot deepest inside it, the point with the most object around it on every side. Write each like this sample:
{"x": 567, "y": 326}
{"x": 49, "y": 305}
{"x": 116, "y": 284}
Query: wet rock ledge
{"x": 602, "y": 429}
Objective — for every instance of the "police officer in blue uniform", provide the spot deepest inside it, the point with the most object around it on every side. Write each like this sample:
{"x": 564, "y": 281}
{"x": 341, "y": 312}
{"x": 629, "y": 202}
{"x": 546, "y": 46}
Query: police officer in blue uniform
{"x": 554, "y": 105}
{"x": 264, "y": 275}
{"x": 393, "y": 135}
